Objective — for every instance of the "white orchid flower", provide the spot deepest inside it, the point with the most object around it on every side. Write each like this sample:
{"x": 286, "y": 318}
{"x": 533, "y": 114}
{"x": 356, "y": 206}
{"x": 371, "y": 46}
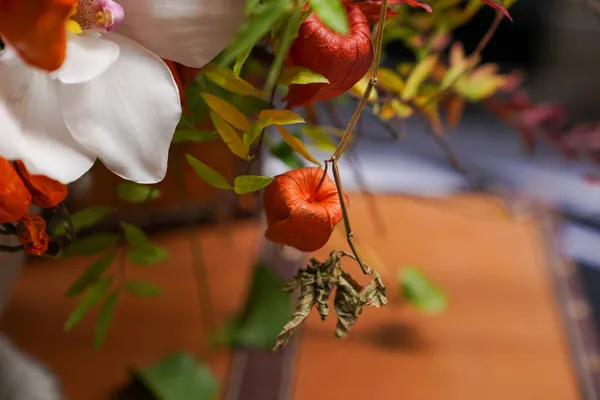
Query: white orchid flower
{"x": 113, "y": 99}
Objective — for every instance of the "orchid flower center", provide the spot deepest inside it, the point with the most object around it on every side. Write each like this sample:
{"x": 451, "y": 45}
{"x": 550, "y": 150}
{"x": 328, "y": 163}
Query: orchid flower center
{"x": 95, "y": 15}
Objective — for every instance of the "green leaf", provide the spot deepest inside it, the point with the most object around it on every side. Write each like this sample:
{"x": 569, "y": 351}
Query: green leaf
{"x": 418, "y": 75}
{"x": 142, "y": 250}
{"x": 105, "y": 318}
{"x": 289, "y": 34}
{"x": 92, "y": 297}
{"x": 267, "y": 309}
{"x": 240, "y": 61}
{"x": 142, "y": 289}
{"x": 300, "y": 76}
{"x": 420, "y": 292}
{"x": 179, "y": 377}
{"x": 205, "y": 172}
{"x": 287, "y": 155}
{"x": 90, "y": 245}
{"x": 333, "y": 14}
{"x": 91, "y": 275}
{"x": 193, "y": 135}
{"x": 136, "y": 193}
{"x": 250, "y": 183}
{"x": 253, "y": 29}
{"x": 84, "y": 219}
{"x": 228, "y": 80}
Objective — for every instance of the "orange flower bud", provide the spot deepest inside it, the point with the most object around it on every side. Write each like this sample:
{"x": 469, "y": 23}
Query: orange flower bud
{"x": 14, "y": 197}
{"x": 45, "y": 192}
{"x": 298, "y": 214}
{"x": 36, "y": 28}
{"x": 31, "y": 232}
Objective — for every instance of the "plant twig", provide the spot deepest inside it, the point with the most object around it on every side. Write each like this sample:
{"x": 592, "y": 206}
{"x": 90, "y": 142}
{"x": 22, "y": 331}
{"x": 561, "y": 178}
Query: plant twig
{"x": 350, "y": 129}
{"x": 204, "y": 300}
{"x": 441, "y": 95}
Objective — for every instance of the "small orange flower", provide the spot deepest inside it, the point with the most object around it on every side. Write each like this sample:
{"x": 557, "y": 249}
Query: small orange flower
{"x": 36, "y": 29}
{"x": 298, "y": 214}
{"x": 31, "y": 232}
{"x": 45, "y": 192}
{"x": 14, "y": 197}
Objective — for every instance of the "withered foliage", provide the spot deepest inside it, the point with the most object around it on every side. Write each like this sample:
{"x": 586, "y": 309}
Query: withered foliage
{"x": 316, "y": 284}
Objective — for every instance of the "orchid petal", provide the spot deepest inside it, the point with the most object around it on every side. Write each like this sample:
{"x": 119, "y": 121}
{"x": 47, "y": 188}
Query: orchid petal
{"x": 32, "y": 128}
{"x": 127, "y": 116}
{"x": 87, "y": 57}
{"x": 191, "y": 32}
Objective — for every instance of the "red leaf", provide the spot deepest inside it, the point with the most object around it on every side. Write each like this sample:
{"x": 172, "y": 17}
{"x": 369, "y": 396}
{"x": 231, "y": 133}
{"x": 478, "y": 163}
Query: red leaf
{"x": 497, "y": 6}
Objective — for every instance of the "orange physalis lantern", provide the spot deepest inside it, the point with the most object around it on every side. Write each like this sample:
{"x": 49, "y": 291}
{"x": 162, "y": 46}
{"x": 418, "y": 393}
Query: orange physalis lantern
{"x": 31, "y": 232}
{"x": 298, "y": 213}
{"x": 14, "y": 197}
{"x": 343, "y": 60}
{"x": 45, "y": 192}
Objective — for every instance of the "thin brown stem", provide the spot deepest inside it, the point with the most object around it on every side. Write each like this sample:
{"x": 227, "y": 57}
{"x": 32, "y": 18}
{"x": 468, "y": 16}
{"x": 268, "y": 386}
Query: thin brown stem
{"x": 349, "y": 234}
{"x": 201, "y": 276}
{"x": 441, "y": 95}
{"x": 372, "y": 81}
{"x": 350, "y": 129}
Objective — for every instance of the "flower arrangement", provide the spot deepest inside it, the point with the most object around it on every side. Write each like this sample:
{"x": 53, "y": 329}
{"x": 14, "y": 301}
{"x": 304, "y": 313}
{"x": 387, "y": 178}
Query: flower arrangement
{"x": 120, "y": 80}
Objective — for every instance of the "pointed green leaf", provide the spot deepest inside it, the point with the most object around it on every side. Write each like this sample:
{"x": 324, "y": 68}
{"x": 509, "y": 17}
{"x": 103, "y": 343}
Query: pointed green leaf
{"x": 283, "y": 46}
{"x": 332, "y": 13}
{"x": 254, "y": 28}
{"x": 418, "y": 75}
{"x": 240, "y": 61}
{"x": 92, "y": 297}
{"x": 90, "y": 245}
{"x": 105, "y": 318}
{"x": 85, "y": 219}
{"x": 300, "y": 76}
{"x": 250, "y": 183}
{"x": 205, "y": 172}
{"x": 91, "y": 274}
{"x": 142, "y": 250}
{"x": 137, "y": 193}
{"x": 142, "y": 289}
{"x": 193, "y": 135}
{"x": 179, "y": 377}
{"x": 420, "y": 292}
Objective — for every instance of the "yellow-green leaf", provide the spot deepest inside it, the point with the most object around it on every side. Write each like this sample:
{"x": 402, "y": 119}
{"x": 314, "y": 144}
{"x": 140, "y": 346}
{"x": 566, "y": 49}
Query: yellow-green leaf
{"x": 332, "y": 13}
{"x": 319, "y": 135}
{"x": 240, "y": 61}
{"x": 254, "y": 132}
{"x": 280, "y": 117}
{"x": 296, "y": 144}
{"x": 390, "y": 81}
{"x": 229, "y": 136}
{"x": 229, "y": 81}
{"x": 226, "y": 111}
{"x": 193, "y": 135}
{"x": 401, "y": 110}
{"x": 358, "y": 90}
{"x": 300, "y": 76}
{"x": 250, "y": 183}
{"x": 418, "y": 76}
{"x": 205, "y": 172}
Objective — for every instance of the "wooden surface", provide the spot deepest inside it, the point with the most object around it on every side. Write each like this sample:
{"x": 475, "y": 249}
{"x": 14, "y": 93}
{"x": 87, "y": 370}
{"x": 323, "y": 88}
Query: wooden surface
{"x": 501, "y": 338}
